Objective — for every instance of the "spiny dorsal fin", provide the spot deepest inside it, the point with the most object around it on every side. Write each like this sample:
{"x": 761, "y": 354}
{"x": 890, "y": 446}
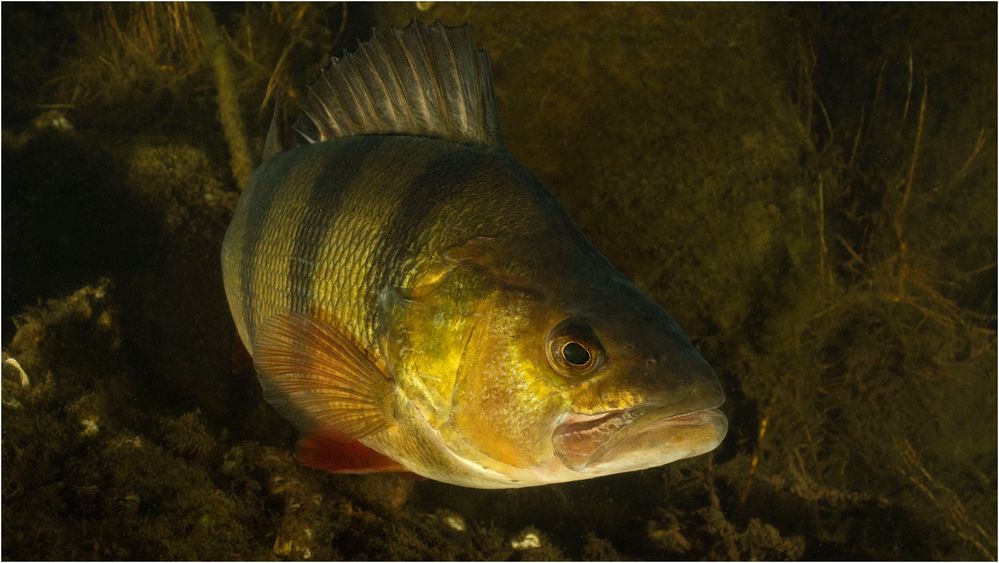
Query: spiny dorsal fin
{"x": 429, "y": 81}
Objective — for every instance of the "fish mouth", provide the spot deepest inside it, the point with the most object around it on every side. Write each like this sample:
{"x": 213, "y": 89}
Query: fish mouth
{"x": 628, "y": 439}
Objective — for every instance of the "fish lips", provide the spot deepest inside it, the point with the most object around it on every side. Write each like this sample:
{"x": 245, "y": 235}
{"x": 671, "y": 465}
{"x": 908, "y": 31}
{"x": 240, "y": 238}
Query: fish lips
{"x": 637, "y": 438}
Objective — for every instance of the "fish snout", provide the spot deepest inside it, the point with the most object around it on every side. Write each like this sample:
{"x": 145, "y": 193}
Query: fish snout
{"x": 681, "y": 378}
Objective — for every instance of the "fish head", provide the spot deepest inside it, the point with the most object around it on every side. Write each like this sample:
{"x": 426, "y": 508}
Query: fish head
{"x": 580, "y": 376}
{"x": 639, "y": 393}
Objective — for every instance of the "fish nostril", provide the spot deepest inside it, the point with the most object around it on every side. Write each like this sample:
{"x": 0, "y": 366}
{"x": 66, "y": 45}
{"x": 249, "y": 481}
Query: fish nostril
{"x": 651, "y": 363}
{"x": 629, "y": 347}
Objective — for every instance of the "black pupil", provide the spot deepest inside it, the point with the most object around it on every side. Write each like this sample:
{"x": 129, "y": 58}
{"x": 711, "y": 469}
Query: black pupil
{"x": 575, "y": 354}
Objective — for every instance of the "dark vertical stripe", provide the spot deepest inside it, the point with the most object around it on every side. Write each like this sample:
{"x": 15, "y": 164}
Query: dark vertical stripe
{"x": 326, "y": 198}
{"x": 444, "y": 179}
{"x": 263, "y": 188}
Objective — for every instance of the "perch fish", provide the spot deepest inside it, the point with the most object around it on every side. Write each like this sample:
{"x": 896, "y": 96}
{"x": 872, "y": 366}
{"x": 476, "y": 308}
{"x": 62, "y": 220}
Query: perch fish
{"x": 415, "y": 300}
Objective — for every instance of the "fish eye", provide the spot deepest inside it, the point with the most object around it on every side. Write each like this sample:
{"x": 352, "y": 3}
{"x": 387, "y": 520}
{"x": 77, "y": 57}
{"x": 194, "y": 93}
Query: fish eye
{"x": 573, "y": 349}
{"x": 576, "y": 354}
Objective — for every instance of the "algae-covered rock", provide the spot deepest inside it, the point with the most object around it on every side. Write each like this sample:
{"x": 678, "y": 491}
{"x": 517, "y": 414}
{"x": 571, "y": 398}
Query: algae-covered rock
{"x": 599, "y": 549}
{"x": 188, "y": 437}
{"x": 180, "y": 180}
{"x": 83, "y": 481}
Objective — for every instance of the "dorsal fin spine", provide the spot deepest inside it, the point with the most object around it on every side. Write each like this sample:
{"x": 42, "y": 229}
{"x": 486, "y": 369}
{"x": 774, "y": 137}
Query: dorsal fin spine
{"x": 396, "y": 82}
{"x": 360, "y": 91}
{"x": 357, "y": 89}
{"x": 327, "y": 117}
{"x": 488, "y": 107}
{"x": 365, "y": 50}
{"x": 462, "y": 87}
{"x": 427, "y": 81}
{"x": 421, "y": 88}
{"x": 430, "y": 82}
{"x": 434, "y": 73}
{"x": 450, "y": 65}
{"x": 352, "y": 113}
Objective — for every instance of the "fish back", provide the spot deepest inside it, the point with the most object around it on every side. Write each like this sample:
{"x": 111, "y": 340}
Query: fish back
{"x": 325, "y": 228}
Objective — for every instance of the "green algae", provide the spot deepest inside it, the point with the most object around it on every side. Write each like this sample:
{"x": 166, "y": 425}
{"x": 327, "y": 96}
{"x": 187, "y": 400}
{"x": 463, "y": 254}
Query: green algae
{"x": 809, "y": 191}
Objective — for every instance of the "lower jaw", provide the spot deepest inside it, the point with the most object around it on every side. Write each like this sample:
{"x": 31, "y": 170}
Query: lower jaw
{"x": 646, "y": 442}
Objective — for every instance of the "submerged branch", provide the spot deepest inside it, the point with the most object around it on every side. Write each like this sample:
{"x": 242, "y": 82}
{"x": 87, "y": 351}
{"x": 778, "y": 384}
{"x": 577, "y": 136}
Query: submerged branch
{"x": 228, "y": 101}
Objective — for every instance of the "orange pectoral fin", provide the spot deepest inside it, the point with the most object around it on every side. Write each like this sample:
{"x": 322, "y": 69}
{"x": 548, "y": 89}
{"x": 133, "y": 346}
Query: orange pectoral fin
{"x": 317, "y": 377}
{"x": 332, "y": 453}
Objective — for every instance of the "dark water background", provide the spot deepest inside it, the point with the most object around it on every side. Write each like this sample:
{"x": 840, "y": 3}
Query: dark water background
{"x": 809, "y": 190}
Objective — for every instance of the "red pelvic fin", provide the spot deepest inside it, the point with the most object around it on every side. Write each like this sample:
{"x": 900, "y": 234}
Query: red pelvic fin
{"x": 338, "y": 454}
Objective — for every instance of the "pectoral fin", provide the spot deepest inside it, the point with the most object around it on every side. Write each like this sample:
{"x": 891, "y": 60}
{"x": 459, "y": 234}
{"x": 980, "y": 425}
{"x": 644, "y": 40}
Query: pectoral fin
{"x": 317, "y": 377}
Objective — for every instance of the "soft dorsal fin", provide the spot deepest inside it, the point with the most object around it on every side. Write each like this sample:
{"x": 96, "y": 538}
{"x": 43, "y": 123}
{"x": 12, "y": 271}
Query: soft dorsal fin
{"x": 429, "y": 81}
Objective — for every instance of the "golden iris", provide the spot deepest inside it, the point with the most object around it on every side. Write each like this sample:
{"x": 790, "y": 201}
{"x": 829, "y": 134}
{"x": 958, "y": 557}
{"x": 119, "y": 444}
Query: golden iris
{"x": 573, "y": 349}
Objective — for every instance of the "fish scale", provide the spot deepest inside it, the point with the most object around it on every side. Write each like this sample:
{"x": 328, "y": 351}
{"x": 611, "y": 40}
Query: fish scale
{"x": 330, "y": 242}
